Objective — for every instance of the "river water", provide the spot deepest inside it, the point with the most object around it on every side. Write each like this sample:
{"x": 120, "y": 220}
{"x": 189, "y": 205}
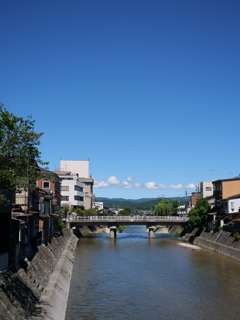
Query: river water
{"x": 136, "y": 278}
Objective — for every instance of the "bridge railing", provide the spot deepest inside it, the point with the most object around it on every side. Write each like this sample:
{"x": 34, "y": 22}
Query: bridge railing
{"x": 127, "y": 218}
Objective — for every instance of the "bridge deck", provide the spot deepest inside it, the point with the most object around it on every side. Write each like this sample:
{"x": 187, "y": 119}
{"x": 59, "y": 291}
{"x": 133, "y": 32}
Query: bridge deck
{"x": 126, "y": 220}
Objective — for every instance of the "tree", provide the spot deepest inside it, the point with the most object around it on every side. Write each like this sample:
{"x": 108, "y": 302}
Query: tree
{"x": 19, "y": 154}
{"x": 125, "y": 212}
{"x": 90, "y": 212}
{"x": 163, "y": 208}
{"x": 79, "y": 212}
{"x": 175, "y": 205}
{"x": 198, "y": 215}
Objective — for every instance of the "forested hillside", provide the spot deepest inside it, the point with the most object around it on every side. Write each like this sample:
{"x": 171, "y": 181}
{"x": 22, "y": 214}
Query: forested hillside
{"x": 135, "y": 205}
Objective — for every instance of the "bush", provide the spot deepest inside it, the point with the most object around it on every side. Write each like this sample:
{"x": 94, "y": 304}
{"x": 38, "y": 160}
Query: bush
{"x": 121, "y": 228}
{"x": 179, "y": 231}
{"x": 236, "y": 236}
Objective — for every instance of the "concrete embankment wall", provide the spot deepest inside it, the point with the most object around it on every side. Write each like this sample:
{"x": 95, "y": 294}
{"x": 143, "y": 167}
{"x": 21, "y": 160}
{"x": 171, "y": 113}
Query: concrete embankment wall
{"x": 167, "y": 230}
{"x": 221, "y": 242}
{"x": 40, "y": 290}
{"x": 85, "y": 230}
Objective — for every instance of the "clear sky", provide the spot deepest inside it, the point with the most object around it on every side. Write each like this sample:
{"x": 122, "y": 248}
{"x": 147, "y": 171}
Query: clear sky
{"x": 148, "y": 90}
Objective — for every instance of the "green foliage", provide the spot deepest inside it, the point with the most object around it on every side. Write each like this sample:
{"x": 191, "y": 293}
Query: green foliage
{"x": 216, "y": 227}
{"x": 125, "y": 212}
{"x": 137, "y": 206}
{"x": 19, "y": 155}
{"x": 179, "y": 231}
{"x": 121, "y": 228}
{"x": 79, "y": 212}
{"x": 198, "y": 215}
{"x": 61, "y": 224}
{"x": 66, "y": 209}
{"x": 175, "y": 205}
{"x": 90, "y": 212}
{"x": 163, "y": 208}
{"x": 128, "y": 209}
{"x": 236, "y": 236}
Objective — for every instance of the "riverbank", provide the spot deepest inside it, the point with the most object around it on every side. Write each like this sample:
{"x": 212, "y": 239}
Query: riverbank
{"x": 220, "y": 242}
{"x": 40, "y": 290}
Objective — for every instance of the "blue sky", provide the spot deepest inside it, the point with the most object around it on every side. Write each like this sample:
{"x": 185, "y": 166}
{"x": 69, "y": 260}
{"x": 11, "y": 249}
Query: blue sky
{"x": 148, "y": 90}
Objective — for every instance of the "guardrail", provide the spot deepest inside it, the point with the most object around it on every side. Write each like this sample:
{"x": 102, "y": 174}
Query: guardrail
{"x": 126, "y": 218}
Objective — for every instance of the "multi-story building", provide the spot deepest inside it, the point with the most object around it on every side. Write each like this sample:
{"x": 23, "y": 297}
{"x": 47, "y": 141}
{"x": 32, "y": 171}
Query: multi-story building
{"x": 82, "y": 169}
{"x": 206, "y": 189}
{"x": 224, "y": 190}
{"x": 195, "y": 196}
{"x": 72, "y": 190}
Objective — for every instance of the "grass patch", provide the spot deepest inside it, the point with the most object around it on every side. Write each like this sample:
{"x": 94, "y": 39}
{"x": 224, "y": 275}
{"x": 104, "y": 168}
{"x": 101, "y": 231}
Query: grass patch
{"x": 121, "y": 228}
{"x": 179, "y": 231}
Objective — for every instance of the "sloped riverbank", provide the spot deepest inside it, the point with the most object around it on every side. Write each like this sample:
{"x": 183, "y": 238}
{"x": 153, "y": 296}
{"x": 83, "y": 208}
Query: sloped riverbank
{"x": 40, "y": 291}
{"x": 221, "y": 242}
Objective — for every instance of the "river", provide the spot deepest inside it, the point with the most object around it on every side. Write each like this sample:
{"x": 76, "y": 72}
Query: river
{"x": 136, "y": 278}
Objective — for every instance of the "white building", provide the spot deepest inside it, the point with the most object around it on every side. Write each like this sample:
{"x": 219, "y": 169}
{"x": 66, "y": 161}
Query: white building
{"x": 72, "y": 190}
{"x": 98, "y": 205}
{"x": 230, "y": 205}
{"x": 82, "y": 169}
{"x": 206, "y": 189}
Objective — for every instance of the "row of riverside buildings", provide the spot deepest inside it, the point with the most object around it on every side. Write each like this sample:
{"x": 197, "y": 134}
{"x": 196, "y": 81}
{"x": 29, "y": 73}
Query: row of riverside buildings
{"x": 31, "y": 218}
{"x": 224, "y": 197}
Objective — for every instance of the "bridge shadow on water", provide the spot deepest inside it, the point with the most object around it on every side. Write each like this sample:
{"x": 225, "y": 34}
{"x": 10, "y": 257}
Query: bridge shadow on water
{"x": 131, "y": 232}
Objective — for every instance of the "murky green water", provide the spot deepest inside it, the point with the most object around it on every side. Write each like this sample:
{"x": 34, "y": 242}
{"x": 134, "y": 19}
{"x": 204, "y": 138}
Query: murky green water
{"x": 136, "y": 278}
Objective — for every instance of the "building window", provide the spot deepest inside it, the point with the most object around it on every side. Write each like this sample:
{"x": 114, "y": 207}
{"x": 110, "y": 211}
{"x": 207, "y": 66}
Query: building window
{"x": 78, "y": 198}
{"x": 64, "y": 188}
{"x": 65, "y": 198}
{"x": 46, "y": 185}
{"x": 232, "y": 206}
{"x": 208, "y": 189}
{"x": 77, "y": 188}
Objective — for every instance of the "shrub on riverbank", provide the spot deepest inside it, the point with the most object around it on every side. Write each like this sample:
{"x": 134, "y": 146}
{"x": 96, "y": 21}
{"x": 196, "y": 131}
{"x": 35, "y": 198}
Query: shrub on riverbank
{"x": 121, "y": 228}
{"x": 179, "y": 231}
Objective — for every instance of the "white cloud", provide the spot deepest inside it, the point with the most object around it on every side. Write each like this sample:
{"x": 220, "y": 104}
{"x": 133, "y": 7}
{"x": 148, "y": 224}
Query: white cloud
{"x": 125, "y": 185}
{"x": 151, "y": 185}
{"x": 137, "y": 186}
{"x": 100, "y": 184}
{"x": 191, "y": 186}
{"x": 113, "y": 181}
{"x": 178, "y": 186}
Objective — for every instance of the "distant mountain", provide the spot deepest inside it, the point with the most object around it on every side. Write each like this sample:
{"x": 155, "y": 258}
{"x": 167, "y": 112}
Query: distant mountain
{"x": 102, "y": 199}
{"x": 136, "y": 204}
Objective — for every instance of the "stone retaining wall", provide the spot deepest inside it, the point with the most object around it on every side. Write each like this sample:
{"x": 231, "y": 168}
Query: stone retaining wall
{"x": 221, "y": 242}
{"x": 31, "y": 292}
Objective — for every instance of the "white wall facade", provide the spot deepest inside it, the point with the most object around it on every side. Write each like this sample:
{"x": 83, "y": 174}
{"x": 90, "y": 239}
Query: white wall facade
{"x": 72, "y": 188}
{"x": 233, "y": 205}
{"x": 82, "y": 168}
{"x": 206, "y": 189}
{"x": 98, "y": 205}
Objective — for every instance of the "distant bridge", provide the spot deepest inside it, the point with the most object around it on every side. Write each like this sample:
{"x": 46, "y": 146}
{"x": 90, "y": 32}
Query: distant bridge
{"x": 113, "y": 221}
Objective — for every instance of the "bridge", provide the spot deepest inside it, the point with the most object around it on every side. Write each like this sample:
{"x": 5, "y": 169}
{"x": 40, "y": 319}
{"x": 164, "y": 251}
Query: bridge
{"x": 113, "y": 221}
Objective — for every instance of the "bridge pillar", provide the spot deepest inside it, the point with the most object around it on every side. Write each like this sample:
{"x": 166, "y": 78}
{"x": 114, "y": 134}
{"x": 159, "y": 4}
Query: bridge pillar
{"x": 151, "y": 232}
{"x": 113, "y": 232}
